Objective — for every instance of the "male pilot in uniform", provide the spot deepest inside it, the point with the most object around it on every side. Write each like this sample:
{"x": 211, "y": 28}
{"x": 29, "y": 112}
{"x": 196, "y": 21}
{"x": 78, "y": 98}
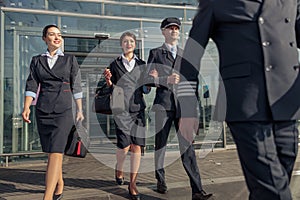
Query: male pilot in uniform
{"x": 257, "y": 43}
{"x": 162, "y": 60}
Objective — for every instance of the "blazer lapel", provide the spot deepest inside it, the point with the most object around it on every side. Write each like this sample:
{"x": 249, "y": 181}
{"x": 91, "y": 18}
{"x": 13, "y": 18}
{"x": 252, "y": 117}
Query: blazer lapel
{"x": 179, "y": 52}
{"x": 121, "y": 66}
{"x": 44, "y": 64}
{"x": 59, "y": 61}
{"x": 123, "y": 69}
{"x": 176, "y": 65}
{"x": 167, "y": 53}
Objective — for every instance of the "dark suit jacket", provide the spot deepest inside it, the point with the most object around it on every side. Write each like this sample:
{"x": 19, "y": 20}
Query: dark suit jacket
{"x": 56, "y": 85}
{"x": 162, "y": 60}
{"x": 131, "y": 82}
{"x": 257, "y": 42}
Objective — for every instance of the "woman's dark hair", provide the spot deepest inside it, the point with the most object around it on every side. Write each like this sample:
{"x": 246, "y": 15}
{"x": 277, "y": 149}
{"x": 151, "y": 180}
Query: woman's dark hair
{"x": 45, "y": 30}
{"x": 127, "y": 33}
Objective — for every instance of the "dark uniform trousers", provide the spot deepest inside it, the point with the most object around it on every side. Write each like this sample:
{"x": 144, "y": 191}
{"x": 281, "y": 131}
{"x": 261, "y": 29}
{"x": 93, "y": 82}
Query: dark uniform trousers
{"x": 164, "y": 121}
{"x": 273, "y": 147}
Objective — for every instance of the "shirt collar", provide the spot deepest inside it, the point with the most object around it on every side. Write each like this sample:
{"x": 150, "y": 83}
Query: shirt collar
{"x": 170, "y": 46}
{"x": 125, "y": 59}
{"x": 58, "y": 53}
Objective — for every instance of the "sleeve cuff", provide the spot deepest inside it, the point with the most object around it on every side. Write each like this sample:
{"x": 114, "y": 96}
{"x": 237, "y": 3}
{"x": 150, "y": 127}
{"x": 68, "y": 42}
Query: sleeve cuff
{"x": 30, "y": 94}
{"x": 146, "y": 90}
{"x": 78, "y": 95}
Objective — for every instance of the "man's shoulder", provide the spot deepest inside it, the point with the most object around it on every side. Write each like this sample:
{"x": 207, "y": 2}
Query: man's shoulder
{"x": 140, "y": 61}
{"x": 160, "y": 48}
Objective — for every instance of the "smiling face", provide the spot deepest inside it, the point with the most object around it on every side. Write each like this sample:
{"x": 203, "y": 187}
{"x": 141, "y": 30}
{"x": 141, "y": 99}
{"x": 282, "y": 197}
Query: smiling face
{"x": 171, "y": 34}
{"x": 128, "y": 44}
{"x": 53, "y": 38}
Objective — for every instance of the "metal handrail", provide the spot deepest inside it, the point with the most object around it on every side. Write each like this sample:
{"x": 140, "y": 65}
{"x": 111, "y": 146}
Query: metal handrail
{"x": 7, "y": 155}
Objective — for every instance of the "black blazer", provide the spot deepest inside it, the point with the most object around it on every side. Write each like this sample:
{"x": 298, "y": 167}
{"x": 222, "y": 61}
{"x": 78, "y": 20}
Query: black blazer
{"x": 57, "y": 85}
{"x": 162, "y": 60}
{"x": 257, "y": 42}
{"x": 131, "y": 82}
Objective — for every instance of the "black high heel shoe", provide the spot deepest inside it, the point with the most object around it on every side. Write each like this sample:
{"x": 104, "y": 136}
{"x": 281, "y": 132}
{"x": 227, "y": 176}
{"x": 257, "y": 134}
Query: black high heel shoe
{"x": 119, "y": 181}
{"x": 57, "y": 196}
{"x": 133, "y": 196}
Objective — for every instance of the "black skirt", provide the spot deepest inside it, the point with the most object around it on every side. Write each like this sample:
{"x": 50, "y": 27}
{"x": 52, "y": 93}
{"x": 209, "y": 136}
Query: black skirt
{"x": 54, "y": 129}
{"x": 130, "y": 129}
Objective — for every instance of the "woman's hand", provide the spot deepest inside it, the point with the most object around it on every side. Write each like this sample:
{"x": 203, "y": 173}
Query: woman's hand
{"x": 26, "y": 109}
{"x": 154, "y": 73}
{"x": 107, "y": 74}
{"x": 25, "y": 115}
{"x": 79, "y": 116}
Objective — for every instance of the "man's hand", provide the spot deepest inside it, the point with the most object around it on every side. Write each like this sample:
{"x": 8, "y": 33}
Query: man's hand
{"x": 153, "y": 73}
{"x": 173, "y": 79}
{"x": 188, "y": 127}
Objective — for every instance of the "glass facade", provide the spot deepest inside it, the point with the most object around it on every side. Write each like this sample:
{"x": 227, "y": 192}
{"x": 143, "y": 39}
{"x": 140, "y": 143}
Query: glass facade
{"x": 91, "y": 29}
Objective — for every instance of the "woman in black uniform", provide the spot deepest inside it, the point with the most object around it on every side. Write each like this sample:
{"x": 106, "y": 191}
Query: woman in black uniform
{"x": 58, "y": 77}
{"x": 127, "y": 71}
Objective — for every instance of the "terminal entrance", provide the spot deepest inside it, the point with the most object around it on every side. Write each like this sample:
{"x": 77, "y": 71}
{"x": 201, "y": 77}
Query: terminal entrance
{"x": 93, "y": 53}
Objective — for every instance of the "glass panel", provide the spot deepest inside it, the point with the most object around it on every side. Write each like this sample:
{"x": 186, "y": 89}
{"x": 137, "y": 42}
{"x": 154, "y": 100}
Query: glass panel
{"x": 169, "y": 2}
{"x": 8, "y": 92}
{"x": 21, "y": 21}
{"x": 22, "y": 41}
{"x": 210, "y": 130}
{"x": 139, "y": 11}
{"x": 76, "y": 25}
{"x": 77, "y": 7}
{"x": 152, "y": 36}
{"x": 35, "y": 4}
{"x": 190, "y": 14}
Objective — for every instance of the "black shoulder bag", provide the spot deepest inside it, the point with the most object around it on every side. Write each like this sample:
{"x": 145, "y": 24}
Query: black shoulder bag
{"x": 78, "y": 141}
{"x": 109, "y": 100}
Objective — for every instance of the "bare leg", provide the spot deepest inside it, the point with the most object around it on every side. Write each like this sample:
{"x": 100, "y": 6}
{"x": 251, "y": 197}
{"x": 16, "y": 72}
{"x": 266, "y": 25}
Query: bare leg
{"x": 54, "y": 169}
{"x": 135, "y": 160}
{"x": 121, "y": 155}
{"x": 60, "y": 184}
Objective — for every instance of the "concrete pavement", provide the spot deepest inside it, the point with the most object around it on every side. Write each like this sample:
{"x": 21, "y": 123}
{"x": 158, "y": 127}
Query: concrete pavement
{"x": 92, "y": 178}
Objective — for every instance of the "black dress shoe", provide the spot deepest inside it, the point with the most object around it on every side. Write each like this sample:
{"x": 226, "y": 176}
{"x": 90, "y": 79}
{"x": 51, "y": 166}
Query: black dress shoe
{"x": 161, "y": 187}
{"x": 57, "y": 196}
{"x": 133, "y": 196}
{"x": 202, "y": 195}
{"x": 119, "y": 181}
